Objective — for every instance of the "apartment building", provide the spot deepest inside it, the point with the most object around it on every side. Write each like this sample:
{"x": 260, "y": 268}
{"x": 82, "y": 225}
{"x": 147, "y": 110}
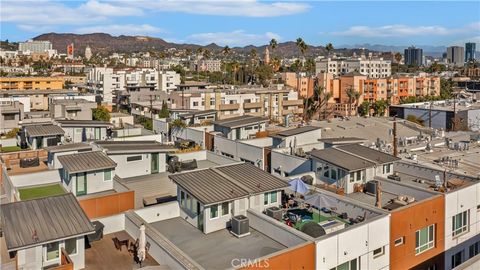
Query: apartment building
{"x": 272, "y": 103}
{"x": 112, "y": 85}
{"x": 35, "y": 46}
{"x": 300, "y": 82}
{"x": 74, "y": 109}
{"x": 210, "y": 65}
{"x": 456, "y": 56}
{"x": 374, "y": 68}
{"x": 392, "y": 88}
{"x": 31, "y": 83}
{"x": 11, "y": 113}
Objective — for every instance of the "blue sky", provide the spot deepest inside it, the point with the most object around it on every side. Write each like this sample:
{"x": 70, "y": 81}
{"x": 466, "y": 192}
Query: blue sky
{"x": 243, "y": 22}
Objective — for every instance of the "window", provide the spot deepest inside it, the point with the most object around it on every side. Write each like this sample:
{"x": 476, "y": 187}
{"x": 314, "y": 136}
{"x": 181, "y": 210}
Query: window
{"x": 182, "y": 198}
{"x": 474, "y": 249}
{"x": 71, "y": 246}
{"x": 225, "y": 209}
{"x": 134, "y": 158}
{"x": 188, "y": 201}
{"x": 386, "y": 168}
{"x": 265, "y": 198}
{"x": 333, "y": 173}
{"x": 9, "y": 116}
{"x": 457, "y": 259}
{"x": 351, "y": 265}
{"x": 273, "y": 197}
{"x": 399, "y": 241}
{"x": 425, "y": 239}
{"x": 378, "y": 252}
{"x": 52, "y": 251}
{"x": 352, "y": 177}
{"x": 460, "y": 223}
{"x": 214, "y": 211}
{"x": 107, "y": 175}
{"x": 195, "y": 103}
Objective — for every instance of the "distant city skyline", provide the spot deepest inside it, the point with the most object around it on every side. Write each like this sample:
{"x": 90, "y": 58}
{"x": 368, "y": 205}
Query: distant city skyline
{"x": 240, "y": 23}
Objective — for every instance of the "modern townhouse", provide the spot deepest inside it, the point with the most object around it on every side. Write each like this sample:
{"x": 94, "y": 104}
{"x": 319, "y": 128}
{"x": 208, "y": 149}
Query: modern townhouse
{"x": 85, "y": 130}
{"x": 136, "y": 158}
{"x": 39, "y": 135}
{"x": 86, "y": 173}
{"x": 46, "y": 232}
{"x": 241, "y": 127}
{"x": 11, "y": 113}
{"x": 72, "y": 109}
{"x": 39, "y": 100}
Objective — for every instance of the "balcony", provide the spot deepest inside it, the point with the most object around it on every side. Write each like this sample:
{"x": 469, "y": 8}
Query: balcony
{"x": 297, "y": 102}
{"x": 229, "y": 107}
{"x": 254, "y": 113}
{"x": 252, "y": 105}
{"x": 295, "y": 111}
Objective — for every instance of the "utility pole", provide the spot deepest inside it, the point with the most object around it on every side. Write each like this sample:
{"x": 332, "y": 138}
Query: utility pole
{"x": 395, "y": 149}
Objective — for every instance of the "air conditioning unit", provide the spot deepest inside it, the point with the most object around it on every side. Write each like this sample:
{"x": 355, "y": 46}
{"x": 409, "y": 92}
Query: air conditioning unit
{"x": 240, "y": 226}
{"x": 274, "y": 212}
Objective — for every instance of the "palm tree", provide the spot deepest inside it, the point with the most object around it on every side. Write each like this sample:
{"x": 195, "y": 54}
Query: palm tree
{"x": 273, "y": 44}
{"x": 226, "y": 51}
{"x": 398, "y": 58}
{"x": 302, "y": 47}
{"x": 235, "y": 67}
{"x": 275, "y": 63}
{"x": 253, "y": 57}
{"x": 329, "y": 48}
{"x": 352, "y": 96}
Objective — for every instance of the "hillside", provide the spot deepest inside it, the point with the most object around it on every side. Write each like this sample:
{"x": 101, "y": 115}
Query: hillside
{"x": 106, "y": 44}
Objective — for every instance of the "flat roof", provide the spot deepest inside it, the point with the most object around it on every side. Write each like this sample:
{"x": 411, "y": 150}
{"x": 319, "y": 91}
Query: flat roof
{"x": 86, "y": 162}
{"x": 342, "y": 140}
{"x": 241, "y": 121}
{"x": 83, "y": 123}
{"x": 121, "y": 147}
{"x": 43, "y": 130}
{"x": 296, "y": 131}
{"x": 198, "y": 113}
{"x": 69, "y": 147}
{"x": 39, "y": 221}
{"x": 216, "y": 250}
{"x": 341, "y": 159}
{"x": 368, "y": 153}
{"x": 226, "y": 183}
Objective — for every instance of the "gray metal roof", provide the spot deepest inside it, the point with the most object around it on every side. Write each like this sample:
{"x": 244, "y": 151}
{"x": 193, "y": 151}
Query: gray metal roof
{"x": 296, "y": 131}
{"x": 241, "y": 121}
{"x": 86, "y": 162}
{"x": 44, "y": 130}
{"x": 341, "y": 159}
{"x": 342, "y": 140}
{"x": 226, "y": 183}
{"x": 199, "y": 113}
{"x": 121, "y": 147}
{"x": 52, "y": 218}
{"x": 69, "y": 147}
{"x": 83, "y": 123}
{"x": 368, "y": 153}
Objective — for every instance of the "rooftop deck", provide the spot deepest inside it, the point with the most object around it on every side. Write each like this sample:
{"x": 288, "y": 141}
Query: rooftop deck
{"x": 215, "y": 250}
{"x": 104, "y": 256}
{"x": 40, "y": 191}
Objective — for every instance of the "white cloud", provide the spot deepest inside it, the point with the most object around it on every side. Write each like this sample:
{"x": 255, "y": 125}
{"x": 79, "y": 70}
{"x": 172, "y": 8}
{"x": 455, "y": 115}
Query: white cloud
{"x": 120, "y": 29}
{"x": 107, "y": 9}
{"x": 234, "y": 38}
{"x": 393, "y": 31}
{"x": 244, "y": 8}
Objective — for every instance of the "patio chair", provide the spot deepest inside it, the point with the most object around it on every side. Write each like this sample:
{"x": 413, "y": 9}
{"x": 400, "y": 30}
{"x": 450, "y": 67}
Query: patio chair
{"x": 116, "y": 242}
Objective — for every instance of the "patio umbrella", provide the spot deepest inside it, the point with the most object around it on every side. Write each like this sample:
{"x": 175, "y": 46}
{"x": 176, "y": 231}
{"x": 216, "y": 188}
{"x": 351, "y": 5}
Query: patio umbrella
{"x": 298, "y": 185}
{"x": 142, "y": 244}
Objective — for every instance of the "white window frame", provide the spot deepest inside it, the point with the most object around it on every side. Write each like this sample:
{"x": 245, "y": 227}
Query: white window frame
{"x": 76, "y": 246}
{"x": 464, "y": 228}
{"x": 218, "y": 212}
{"x": 104, "y": 175}
{"x": 380, "y": 252}
{"x": 141, "y": 158}
{"x": 429, "y": 244}
{"x": 45, "y": 252}
{"x": 228, "y": 208}
{"x": 399, "y": 241}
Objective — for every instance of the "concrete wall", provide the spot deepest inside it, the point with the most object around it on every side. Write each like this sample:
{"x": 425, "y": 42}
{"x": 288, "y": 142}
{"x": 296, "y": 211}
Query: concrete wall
{"x": 114, "y": 223}
{"x": 74, "y": 134}
{"x": 127, "y": 169}
{"x": 198, "y": 155}
{"x": 190, "y": 133}
{"x": 38, "y": 178}
{"x": 239, "y": 150}
{"x": 356, "y": 242}
{"x": 275, "y": 229}
{"x": 159, "y": 212}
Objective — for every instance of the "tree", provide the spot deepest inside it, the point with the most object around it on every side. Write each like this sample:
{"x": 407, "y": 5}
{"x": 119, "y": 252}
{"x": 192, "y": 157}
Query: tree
{"x": 364, "y": 108}
{"x": 164, "y": 112}
{"x": 398, "y": 57}
{"x": 379, "y": 107}
{"x": 446, "y": 88}
{"x": 207, "y": 54}
{"x": 317, "y": 102}
{"x": 12, "y": 133}
{"x": 352, "y": 96}
{"x": 273, "y": 44}
{"x": 264, "y": 74}
{"x": 414, "y": 119}
{"x": 275, "y": 63}
{"x": 101, "y": 113}
{"x": 329, "y": 48}
{"x": 302, "y": 46}
{"x": 178, "y": 124}
{"x": 226, "y": 51}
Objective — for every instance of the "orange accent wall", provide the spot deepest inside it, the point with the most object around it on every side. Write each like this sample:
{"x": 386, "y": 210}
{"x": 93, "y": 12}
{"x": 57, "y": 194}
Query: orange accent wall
{"x": 299, "y": 258}
{"x": 405, "y": 222}
{"x": 108, "y": 205}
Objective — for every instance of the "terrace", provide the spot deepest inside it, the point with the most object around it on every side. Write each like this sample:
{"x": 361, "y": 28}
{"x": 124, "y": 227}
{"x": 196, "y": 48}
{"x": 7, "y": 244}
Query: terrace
{"x": 215, "y": 250}
{"x": 102, "y": 255}
{"x": 36, "y": 192}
